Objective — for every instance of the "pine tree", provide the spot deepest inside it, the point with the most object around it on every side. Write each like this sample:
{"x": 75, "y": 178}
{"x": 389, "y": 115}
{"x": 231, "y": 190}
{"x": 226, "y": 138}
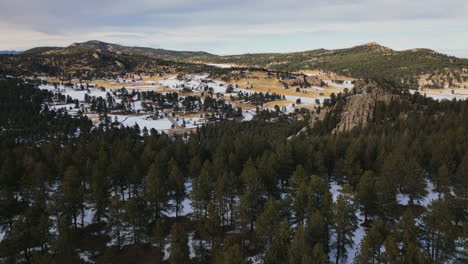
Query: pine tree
{"x": 318, "y": 255}
{"x": 392, "y": 251}
{"x": 178, "y": 251}
{"x": 159, "y": 237}
{"x": 156, "y": 191}
{"x": 73, "y": 196}
{"x": 277, "y": 250}
{"x": 248, "y": 209}
{"x": 100, "y": 192}
{"x": 232, "y": 253}
{"x": 439, "y": 231}
{"x": 442, "y": 180}
{"x": 366, "y": 194}
{"x": 64, "y": 246}
{"x": 411, "y": 252}
{"x": 351, "y": 165}
{"x": 135, "y": 216}
{"x": 210, "y": 226}
{"x": 202, "y": 189}
{"x": 370, "y": 251}
{"x": 345, "y": 223}
{"x": 316, "y": 229}
{"x": 177, "y": 182}
{"x": 300, "y": 250}
{"x": 461, "y": 181}
{"x": 386, "y": 197}
{"x": 267, "y": 222}
{"x": 412, "y": 181}
{"x": 300, "y": 193}
{"x": 116, "y": 215}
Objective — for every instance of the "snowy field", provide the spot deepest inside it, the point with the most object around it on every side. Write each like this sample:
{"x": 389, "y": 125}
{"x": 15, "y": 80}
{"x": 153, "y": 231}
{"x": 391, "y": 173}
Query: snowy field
{"x": 143, "y": 120}
{"x": 196, "y": 83}
{"x": 444, "y": 94}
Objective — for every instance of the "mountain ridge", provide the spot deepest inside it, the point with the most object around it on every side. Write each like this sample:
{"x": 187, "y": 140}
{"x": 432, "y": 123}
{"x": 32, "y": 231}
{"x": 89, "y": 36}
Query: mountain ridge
{"x": 97, "y": 46}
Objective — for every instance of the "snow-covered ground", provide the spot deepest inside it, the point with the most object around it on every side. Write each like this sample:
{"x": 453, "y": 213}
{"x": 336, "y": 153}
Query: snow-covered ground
{"x": 75, "y": 93}
{"x": 360, "y": 232}
{"x": 143, "y": 121}
{"x": 444, "y": 94}
{"x": 197, "y": 83}
{"x": 222, "y": 65}
{"x": 432, "y": 195}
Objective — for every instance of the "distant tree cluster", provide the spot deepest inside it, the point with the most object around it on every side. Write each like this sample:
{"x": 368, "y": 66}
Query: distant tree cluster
{"x": 257, "y": 98}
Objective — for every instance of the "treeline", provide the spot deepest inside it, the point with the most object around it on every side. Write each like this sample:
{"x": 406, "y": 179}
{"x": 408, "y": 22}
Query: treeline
{"x": 252, "y": 191}
{"x": 257, "y": 98}
{"x": 358, "y": 62}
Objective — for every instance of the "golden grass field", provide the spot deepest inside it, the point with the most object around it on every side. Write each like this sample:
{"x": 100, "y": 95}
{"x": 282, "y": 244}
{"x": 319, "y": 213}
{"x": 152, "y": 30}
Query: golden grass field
{"x": 261, "y": 83}
{"x": 324, "y": 75}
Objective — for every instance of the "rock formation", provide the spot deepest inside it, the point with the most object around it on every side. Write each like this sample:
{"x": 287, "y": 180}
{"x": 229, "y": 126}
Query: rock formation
{"x": 303, "y": 80}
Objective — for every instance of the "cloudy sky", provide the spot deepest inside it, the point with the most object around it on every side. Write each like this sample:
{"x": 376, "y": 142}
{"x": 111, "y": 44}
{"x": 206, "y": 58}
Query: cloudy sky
{"x": 239, "y": 26}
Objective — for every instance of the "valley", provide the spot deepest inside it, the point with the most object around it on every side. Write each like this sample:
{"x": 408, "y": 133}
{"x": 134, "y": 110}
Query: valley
{"x": 115, "y": 154}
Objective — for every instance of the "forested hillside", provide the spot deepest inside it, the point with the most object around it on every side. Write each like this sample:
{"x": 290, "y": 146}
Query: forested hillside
{"x": 94, "y": 45}
{"x": 233, "y": 192}
{"x": 370, "y": 61}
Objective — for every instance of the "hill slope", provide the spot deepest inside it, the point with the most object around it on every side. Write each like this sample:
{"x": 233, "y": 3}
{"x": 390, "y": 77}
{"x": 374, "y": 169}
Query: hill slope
{"x": 370, "y": 60}
{"x": 94, "y": 45}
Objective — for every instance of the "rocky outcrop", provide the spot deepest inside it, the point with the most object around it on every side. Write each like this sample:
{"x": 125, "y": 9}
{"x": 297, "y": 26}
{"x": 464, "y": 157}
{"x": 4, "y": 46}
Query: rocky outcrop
{"x": 359, "y": 109}
{"x": 303, "y": 81}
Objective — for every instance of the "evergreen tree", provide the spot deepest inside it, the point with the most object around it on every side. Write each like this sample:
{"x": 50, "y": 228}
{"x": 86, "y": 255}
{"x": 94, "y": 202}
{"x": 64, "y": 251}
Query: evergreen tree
{"x": 73, "y": 196}
{"x": 177, "y": 182}
{"x": 135, "y": 216}
{"x": 232, "y": 253}
{"x": 392, "y": 251}
{"x": 267, "y": 222}
{"x": 442, "y": 180}
{"x": 318, "y": 255}
{"x": 277, "y": 250}
{"x": 159, "y": 237}
{"x": 345, "y": 223}
{"x": 116, "y": 215}
{"x": 412, "y": 181}
{"x": 64, "y": 245}
{"x": 300, "y": 251}
{"x": 371, "y": 246}
{"x": 366, "y": 194}
{"x": 156, "y": 190}
{"x": 202, "y": 188}
{"x": 439, "y": 231}
{"x": 178, "y": 251}
{"x": 386, "y": 197}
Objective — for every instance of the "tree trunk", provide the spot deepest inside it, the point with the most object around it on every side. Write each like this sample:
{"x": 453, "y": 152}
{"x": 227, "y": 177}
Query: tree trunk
{"x": 82, "y": 216}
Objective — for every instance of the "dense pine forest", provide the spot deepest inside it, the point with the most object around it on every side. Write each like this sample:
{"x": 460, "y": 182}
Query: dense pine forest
{"x": 233, "y": 192}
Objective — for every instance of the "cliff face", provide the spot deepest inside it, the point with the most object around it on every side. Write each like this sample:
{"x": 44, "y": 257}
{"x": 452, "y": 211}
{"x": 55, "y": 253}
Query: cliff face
{"x": 359, "y": 109}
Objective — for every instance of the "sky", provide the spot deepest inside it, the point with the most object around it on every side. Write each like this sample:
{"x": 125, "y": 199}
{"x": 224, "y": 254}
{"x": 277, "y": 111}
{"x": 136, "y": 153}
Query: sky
{"x": 241, "y": 26}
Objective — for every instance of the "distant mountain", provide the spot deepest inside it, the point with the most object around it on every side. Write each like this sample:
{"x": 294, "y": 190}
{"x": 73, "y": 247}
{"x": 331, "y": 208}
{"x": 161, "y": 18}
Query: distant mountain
{"x": 10, "y": 52}
{"x": 95, "y": 59}
{"x": 370, "y": 60}
{"x": 99, "y": 46}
